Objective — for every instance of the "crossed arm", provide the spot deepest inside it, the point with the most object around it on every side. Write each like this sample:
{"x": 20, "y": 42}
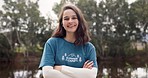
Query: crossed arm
{"x": 70, "y": 72}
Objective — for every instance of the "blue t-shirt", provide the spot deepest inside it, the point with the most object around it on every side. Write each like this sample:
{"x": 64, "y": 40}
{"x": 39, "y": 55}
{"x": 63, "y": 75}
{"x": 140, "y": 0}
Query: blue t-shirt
{"x": 58, "y": 51}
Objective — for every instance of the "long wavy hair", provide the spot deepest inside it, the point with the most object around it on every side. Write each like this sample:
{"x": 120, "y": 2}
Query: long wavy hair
{"x": 82, "y": 35}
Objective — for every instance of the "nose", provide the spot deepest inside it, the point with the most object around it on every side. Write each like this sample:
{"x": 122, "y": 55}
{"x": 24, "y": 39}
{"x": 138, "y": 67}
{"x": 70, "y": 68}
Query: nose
{"x": 70, "y": 20}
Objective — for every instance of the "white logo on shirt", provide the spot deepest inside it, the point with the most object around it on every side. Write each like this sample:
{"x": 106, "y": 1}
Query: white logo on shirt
{"x": 71, "y": 57}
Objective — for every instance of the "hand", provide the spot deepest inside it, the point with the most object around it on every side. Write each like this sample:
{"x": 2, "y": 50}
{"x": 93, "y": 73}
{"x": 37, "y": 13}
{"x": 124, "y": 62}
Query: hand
{"x": 57, "y": 68}
{"x": 88, "y": 64}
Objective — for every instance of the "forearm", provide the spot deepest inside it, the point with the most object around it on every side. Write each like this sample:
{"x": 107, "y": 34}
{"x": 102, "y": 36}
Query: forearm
{"x": 49, "y": 72}
{"x": 79, "y": 72}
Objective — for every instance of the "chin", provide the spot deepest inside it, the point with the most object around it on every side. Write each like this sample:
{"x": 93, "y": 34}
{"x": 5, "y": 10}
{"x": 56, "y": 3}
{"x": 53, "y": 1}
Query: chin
{"x": 71, "y": 31}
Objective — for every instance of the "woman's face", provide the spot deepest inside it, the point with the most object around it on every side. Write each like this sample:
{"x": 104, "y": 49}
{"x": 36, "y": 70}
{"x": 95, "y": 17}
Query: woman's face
{"x": 70, "y": 21}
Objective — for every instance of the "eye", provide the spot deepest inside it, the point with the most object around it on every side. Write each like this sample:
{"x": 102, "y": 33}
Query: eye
{"x": 74, "y": 17}
{"x": 66, "y": 18}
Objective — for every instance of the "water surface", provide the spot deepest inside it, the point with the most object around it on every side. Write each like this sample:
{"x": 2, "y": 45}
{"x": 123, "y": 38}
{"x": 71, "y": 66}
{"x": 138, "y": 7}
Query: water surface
{"x": 106, "y": 70}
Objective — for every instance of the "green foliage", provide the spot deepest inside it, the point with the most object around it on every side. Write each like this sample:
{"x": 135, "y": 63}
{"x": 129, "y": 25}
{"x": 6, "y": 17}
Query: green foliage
{"x": 5, "y": 49}
{"x": 23, "y": 28}
{"x": 140, "y": 12}
{"x": 128, "y": 50}
{"x": 20, "y": 49}
{"x": 4, "y": 44}
{"x": 25, "y": 23}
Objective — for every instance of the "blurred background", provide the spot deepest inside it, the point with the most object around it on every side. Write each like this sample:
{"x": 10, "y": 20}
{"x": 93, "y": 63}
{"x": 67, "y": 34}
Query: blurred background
{"x": 119, "y": 31}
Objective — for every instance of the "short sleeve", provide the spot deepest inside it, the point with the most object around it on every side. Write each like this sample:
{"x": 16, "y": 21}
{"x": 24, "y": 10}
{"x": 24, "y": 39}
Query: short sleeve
{"x": 91, "y": 54}
{"x": 48, "y": 55}
{"x": 93, "y": 57}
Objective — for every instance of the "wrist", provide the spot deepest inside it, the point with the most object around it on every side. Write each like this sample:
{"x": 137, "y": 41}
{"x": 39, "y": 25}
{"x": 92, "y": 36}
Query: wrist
{"x": 59, "y": 68}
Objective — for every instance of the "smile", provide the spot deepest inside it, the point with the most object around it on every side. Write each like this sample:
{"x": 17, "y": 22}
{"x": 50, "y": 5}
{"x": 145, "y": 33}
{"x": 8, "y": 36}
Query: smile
{"x": 71, "y": 26}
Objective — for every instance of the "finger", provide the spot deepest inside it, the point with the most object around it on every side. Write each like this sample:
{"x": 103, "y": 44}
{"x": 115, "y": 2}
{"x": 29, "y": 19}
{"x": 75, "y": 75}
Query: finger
{"x": 85, "y": 63}
{"x": 90, "y": 64}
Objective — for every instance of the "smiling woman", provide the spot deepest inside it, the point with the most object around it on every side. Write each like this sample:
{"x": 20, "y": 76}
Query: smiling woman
{"x": 69, "y": 50}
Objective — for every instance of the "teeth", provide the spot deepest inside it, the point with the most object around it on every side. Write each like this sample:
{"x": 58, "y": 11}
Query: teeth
{"x": 70, "y": 26}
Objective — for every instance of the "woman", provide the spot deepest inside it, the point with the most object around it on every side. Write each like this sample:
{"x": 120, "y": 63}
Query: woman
{"x": 68, "y": 53}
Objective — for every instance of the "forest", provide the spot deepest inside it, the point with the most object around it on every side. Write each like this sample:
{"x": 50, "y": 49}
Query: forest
{"x": 118, "y": 29}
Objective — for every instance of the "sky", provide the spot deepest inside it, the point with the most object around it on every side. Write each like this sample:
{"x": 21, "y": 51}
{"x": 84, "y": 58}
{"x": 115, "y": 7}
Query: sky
{"x": 45, "y": 6}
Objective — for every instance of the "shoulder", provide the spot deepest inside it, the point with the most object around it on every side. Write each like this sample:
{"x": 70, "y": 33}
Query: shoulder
{"x": 53, "y": 39}
{"x": 89, "y": 45}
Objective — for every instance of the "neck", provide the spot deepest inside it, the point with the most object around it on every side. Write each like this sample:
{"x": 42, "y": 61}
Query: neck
{"x": 70, "y": 38}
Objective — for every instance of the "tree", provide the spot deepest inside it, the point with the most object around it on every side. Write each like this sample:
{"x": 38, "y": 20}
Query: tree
{"x": 139, "y": 11}
{"x": 23, "y": 20}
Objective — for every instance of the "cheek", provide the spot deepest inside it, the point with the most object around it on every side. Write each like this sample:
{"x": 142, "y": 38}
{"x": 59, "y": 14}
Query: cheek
{"x": 64, "y": 24}
{"x": 77, "y": 22}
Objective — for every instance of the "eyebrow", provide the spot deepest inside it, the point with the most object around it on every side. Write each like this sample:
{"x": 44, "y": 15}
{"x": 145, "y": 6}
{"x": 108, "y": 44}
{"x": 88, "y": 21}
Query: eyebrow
{"x": 71, "y": 16}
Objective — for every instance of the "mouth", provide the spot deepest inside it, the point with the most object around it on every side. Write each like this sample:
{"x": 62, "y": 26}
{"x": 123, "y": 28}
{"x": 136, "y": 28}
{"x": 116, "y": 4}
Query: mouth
{"x": 71, "y": 26}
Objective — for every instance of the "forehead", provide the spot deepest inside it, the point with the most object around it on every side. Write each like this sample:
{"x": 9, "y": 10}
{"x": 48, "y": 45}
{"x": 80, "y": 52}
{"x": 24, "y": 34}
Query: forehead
{"x": 69, "y": 12}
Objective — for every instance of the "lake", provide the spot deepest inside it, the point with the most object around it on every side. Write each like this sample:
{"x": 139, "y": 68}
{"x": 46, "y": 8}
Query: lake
{"x": 106, "y": 70}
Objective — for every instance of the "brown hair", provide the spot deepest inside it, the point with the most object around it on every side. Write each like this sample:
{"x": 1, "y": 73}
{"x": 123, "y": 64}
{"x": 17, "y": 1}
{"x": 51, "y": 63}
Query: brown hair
{"x": 81, "y": 34}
